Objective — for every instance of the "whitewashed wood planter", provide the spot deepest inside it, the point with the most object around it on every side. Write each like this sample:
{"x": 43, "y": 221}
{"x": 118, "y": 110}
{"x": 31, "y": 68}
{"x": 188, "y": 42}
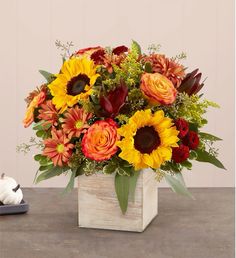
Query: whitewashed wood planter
{"x": 98, "y": 206}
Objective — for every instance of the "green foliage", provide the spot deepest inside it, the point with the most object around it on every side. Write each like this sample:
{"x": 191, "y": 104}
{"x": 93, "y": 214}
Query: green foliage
{"x": 71, "y": 182}
{"x": 122, "y": 191}
{"x": 136, "y": 100}
{"x": 209, "y": 137}
{"x": 130, "y": 69}
{"x": 177, "y": 185}
{"x": 48, "y": 76}
{"x": 51, "y": 172}
{"x": 204, "y": 156}
{"x": 192, "y": 108}
{"x": 26, "y": 147}
{"x": 135, "y": 48}
{"x": 154, "y": 48}
{"x": 125, "y": 186}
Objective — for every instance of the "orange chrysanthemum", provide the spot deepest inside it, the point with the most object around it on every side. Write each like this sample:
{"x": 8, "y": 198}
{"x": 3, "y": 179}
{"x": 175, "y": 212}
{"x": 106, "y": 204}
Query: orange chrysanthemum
{"x": 58, "y": 148}
{"x": 167, "y": 67}
{"x": 35, "y": 102}
{"x": 75, "y": 122}
{"x": 48, "y": 113}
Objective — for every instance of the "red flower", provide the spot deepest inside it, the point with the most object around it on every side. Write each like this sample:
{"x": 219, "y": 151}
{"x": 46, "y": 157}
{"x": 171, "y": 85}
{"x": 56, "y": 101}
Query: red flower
{"x": 191, "y": 140}
{"x": 119, "y": 50}
{"x": 182, "y": 127}
{"x": 114, "y": 101}
{"x": 180, "y": 154}
{"x": 98, "y": 56}
{"x": 87, "y": 50}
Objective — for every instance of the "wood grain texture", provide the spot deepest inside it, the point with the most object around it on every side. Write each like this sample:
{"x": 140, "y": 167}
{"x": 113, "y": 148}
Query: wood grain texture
{"x": 99, "y": 208}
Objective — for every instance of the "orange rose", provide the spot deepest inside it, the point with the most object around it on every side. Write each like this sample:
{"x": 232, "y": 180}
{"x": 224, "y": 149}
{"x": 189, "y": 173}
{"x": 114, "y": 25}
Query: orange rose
{"x": 99, "y": 142}
{"x": 37, "y": 100}
{"x": 158, "y": 89}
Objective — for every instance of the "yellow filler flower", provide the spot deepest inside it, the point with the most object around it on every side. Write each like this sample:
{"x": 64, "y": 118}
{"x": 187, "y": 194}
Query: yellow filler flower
{"x": 73, "y": 83}
{"x": 147, "y": 139}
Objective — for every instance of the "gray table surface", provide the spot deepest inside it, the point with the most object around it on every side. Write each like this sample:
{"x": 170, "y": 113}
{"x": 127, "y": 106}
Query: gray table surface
{"x": 203, "y": 228}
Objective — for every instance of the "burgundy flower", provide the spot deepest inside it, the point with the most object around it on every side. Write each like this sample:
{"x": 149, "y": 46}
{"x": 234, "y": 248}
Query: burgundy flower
{"x": 191, "y": 140}
{"x": 119, "y": 50}
{"x": 114, "y": 101}
{"x": 98, "y": 56}
{"x": 182, "y": 126}
{"x": 180, "y": 154}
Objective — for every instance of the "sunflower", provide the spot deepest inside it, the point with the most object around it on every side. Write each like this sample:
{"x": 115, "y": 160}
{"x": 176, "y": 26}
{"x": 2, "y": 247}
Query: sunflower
{"x": 147, "y": 139}
{"x": 73, "y": 83}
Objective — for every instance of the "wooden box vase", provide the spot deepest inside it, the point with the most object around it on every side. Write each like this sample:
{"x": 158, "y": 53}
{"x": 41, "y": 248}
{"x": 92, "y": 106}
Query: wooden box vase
{"x": 98, "y": 206}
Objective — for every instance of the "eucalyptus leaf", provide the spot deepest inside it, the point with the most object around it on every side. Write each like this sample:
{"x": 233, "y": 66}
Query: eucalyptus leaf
{"x": 71, "y": 182}
{"x": 48, "y": 76}
{"x": 177, "y": 186}
{"x": 122, "y": 191}
{"x": 204, "y": 156}
{"x": 209, "y": 137}
{"x": 54, "y": 171}
{"x": 180, "y": 177}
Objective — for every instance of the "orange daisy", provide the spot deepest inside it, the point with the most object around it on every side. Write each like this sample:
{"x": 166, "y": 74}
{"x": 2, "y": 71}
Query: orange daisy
{"x": 48, "y": 113}
{"x": 75, "y": 122}
{"x": 58, "y": 148}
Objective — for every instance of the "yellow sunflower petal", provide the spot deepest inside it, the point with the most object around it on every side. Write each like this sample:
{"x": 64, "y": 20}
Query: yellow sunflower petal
{"x": 69, "y": 72}
{"x": 139, "y": 154}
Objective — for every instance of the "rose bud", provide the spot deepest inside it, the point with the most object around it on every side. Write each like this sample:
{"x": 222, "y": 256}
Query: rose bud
{"x": 191, "y": 140}
{"x": 182, "y": 126}
{"x": 180, "y": 154}
{"x": 114, "y": 101}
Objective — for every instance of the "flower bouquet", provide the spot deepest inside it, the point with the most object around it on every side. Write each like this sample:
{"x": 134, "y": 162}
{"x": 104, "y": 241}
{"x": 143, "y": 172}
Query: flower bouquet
{"x": 119, "y": 111}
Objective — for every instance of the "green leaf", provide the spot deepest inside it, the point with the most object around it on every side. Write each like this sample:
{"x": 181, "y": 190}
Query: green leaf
{"x": 193, "y": 127}
{"x": 46, "y": 167}
{"x": 109, "y": 168}
{"x": 71, "y": 182}
{"x": 193, "y": 155}
{"x": 80, "y": 169}
{"x": 204, "y": 156}
{"x": 135, "y": 47}
{"x": 38, "y": 157}
{"x": 209, "y": 137}
{"x": 132, "y": 184}
{"x": 177, "y": 186}
{"x": 40, "y": 133}
{"x": 148, "y": 67}
{"x": 187, "y": 164}
{"x": 39, "y": 126}
{"x": 54, "y": 171}
{"x": 48, "y": 76}
{"x": 122, "y": 191}
{"x": 180, "y": 177}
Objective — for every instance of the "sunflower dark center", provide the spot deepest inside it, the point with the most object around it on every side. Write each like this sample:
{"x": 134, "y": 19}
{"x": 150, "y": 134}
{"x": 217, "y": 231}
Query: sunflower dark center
{"x": 77, "y": 84}
{"x": 146, "y": 139}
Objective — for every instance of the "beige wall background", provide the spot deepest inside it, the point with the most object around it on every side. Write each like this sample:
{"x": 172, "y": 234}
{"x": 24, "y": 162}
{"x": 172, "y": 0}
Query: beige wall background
{"x": 204, "y": 29}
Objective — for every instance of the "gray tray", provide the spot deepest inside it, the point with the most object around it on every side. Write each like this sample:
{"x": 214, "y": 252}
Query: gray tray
{"x": 23, "y": 207}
